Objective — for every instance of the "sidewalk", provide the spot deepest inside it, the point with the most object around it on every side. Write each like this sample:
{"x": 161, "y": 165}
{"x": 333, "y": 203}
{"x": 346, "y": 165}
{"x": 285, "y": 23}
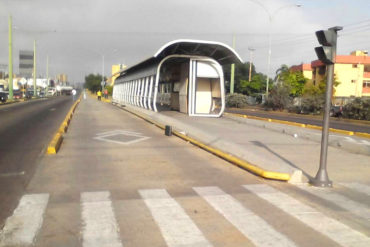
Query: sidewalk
{"x": 269, "y": 149}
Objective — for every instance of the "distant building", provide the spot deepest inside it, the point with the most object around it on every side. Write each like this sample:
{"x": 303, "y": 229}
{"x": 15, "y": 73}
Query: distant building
{"x": 25, "y": 63}
{"x": 352, "y": 71}
{"x": 115, "y": 72}
{"x": 62, "y": 78}
{"x": 305, "y": 68}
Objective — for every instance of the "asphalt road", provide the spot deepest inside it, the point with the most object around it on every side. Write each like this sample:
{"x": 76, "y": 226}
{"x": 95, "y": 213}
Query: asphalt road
{"x": 336, "y": 123}
{"x": 25, "y": 130}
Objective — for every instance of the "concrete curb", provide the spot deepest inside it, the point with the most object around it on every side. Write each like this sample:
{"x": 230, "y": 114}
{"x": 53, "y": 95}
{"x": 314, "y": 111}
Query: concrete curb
{"x": 215, "y": 147}
{"x": 344, "y": 132}
{"x": 55, "y": 143}
{"x": 344, "y": 142}
{"x": 57, "y": 140}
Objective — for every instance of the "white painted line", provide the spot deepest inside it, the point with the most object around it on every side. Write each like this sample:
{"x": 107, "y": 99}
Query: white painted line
{"x": 105, "y": 139}
{"x": 12, "y": 174}
{"x": 106, "y": 135}
{"x": 363, "y": 188}
{"x": 100, "y": 228}
{"x": 118, "y": 132}
{"x": 21, "y": 228}
{"x": 327, "y": 226}
{"x": 251, "y": 225}
{"x": 356, "y": 208}
{"x": 176, "y": 226}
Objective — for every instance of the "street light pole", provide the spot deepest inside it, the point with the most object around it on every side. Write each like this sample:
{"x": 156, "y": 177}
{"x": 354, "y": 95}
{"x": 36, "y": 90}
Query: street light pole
{"x": 47, "y": 74}
{"x": 10, "y": 67}
{"x": 269, "y": 58}
{"x": 34, "y": 69}
{"x": 271, "y": 15}
{"x": 232, "y": 76}
{"x": 251, "y": 50}
{"x": 102, "y": 80}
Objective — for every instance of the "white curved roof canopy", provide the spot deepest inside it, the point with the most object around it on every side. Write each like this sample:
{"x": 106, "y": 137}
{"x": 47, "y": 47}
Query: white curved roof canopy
{"x": 220, "y": 52}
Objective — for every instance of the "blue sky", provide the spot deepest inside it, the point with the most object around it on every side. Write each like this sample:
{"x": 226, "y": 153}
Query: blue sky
{"x": 76, "y": 33}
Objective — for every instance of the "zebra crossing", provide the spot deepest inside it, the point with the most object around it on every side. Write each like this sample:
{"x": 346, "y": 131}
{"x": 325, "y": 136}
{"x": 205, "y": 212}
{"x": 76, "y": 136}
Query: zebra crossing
{"x": 100, "y": 226}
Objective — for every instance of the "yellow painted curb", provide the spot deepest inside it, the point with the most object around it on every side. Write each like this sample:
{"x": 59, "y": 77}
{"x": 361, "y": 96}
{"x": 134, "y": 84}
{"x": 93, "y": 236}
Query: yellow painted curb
{"x": 308, "y": 126}
{"x": 288, "y": 123}
{"x": 55, "y": 143}
{"x": 360, "y": 134}
{"x": 232, "y": 159}
{"x": 345, "y": 132}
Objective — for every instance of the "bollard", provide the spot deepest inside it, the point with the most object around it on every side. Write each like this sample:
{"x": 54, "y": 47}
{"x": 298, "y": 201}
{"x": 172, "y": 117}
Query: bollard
{"x": 168, "y": 130}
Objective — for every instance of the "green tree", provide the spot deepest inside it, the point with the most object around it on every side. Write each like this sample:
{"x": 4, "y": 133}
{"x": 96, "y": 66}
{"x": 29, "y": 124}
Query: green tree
{"x": 294, "y": 80}
{"x": 255, "y": 86}
{"x": 241, "y": 79}
{"x": 93, "y": 82}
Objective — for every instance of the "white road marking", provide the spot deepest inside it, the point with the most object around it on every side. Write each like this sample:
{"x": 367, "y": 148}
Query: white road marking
{"x": 118, "y": 132}
{"x": 251, "y": 225}
{"x": 363, "y": 188}
{"x": 100, "y": 228}
{"x": 177, "y": 228}
{"x": 327, "y": 226}
{"x": 12, "y": 174}
{"x": 356, "y": 208}
{"x": 21, "y": 228}
{"x": 105, "y": 136}
{"x": 365, "y": 142}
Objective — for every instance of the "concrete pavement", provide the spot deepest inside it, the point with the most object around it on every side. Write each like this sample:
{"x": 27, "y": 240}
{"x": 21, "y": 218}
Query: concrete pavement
{"x": 119, "y": 181}
{"x": 271, "y": 146}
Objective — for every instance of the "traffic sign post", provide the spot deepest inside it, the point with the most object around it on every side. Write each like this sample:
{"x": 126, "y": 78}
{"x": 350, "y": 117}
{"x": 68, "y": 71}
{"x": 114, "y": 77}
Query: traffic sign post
{"x": 327, "y": 55}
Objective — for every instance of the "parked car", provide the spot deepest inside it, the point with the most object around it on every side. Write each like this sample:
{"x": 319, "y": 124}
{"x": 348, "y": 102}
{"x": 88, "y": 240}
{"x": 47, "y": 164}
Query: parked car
{"x": 336, "y": 111}
{"x": 17, "y": 94}
{"x": 3, "y": 97}
{"x": 29, "y": 94}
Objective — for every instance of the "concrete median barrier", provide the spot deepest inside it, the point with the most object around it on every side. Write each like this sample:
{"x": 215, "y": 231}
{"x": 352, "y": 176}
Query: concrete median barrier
{"x": 57, "y": 140}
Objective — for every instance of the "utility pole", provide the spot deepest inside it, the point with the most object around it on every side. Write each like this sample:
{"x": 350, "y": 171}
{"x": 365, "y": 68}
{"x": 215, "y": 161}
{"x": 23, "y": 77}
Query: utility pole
{"x": 47, "y": 74}
{"x": 34, "y": 69}
{"x": 326, "y": 54}
{"x": 251, "y": 50}
{"x": 232, "y": 70}
{"x": 102, "y": 80}
{"x": 10, "y": 67}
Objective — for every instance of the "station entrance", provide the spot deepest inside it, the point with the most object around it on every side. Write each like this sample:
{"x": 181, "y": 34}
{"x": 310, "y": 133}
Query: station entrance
{"x": 191, "y": 85}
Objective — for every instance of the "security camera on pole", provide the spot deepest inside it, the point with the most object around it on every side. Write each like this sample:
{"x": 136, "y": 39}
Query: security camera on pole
{"x": 326, "y": 54}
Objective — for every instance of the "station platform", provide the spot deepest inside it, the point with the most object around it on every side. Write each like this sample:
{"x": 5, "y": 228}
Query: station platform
{"x": 272, "y": 147}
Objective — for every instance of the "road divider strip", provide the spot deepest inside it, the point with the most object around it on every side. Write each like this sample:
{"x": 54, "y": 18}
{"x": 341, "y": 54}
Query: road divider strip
{"x": 57, "y": 140}
{"x": 308, "y": 126}
{"x": 228, "y": 157}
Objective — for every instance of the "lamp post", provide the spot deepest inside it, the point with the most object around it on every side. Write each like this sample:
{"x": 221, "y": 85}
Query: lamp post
{"x": 251, "y": 50}
{"x": 232, "y": 72}
{"x": 10, "y": 67}
{"x": 34, "y": 69}
{"x": 271, "y": 18}
{"x": 103, "y": 55}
